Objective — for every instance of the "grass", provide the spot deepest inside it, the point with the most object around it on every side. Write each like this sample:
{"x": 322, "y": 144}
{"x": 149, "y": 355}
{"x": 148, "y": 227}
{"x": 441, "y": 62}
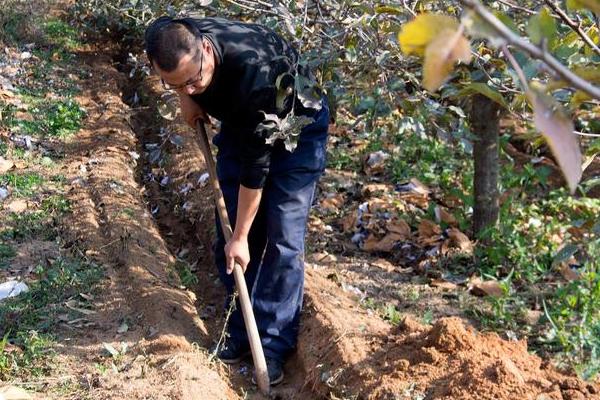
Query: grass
{"x": 29, "y": 318}
{"x": 7, "y": 252}
{"x": 58, "y": 118}
{"x": 22, "y": 184}
{"x": 186, "y": 276}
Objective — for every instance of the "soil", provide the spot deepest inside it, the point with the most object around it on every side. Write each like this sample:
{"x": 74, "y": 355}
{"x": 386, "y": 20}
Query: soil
{"x": 138, "y": 225}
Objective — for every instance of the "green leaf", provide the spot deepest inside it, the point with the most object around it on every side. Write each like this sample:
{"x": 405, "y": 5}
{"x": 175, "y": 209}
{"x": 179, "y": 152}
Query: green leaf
{"x": 288, "y": 128}
{"x": 564, "y": 254}
{"x": 482, "y": 88}
{"x": 388, "y": 9}
{"x": 480, "y": 29}
{"x": 542, "y": 26}
{"x": 506, "y": 20}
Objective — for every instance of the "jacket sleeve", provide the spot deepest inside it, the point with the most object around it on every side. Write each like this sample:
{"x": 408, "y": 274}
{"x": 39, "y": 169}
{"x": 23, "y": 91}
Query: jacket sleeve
{"x": 255, "y": 161}
{"x": 262, "y": 98}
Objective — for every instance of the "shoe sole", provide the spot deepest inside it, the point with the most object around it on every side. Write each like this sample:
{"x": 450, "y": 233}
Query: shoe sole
{"x": 234, "y": 360}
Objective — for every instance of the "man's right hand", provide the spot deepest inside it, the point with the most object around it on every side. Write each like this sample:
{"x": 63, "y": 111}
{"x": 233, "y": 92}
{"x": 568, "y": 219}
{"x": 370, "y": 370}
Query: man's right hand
{"x": 190, "y": 110}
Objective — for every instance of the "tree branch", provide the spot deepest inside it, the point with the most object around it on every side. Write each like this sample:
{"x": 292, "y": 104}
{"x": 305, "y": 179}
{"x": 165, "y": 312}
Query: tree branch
{"x": 573, "y": 25}
{"x": 566, "y": 74}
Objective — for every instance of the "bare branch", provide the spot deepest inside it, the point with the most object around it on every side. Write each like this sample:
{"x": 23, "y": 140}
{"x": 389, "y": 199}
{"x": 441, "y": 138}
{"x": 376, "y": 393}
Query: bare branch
{"x": 566, "y": 74}
{"x": 573, "y": 25}
{"x": 516, "y": 7}
{"x": 517, "y": 67}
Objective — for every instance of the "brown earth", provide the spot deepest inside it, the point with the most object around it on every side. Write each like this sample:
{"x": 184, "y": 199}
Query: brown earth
{"x": 344, "y": 351}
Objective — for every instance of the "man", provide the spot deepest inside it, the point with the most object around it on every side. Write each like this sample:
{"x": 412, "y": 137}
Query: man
{"x": 238, "y": 73}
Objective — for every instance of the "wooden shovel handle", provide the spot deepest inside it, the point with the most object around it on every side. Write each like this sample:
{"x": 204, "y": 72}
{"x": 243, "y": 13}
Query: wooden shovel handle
{"x": 262, "y": 376}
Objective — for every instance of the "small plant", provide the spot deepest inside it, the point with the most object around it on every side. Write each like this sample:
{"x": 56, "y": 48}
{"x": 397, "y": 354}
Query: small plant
{"x": 392, "y": 314}
{"x": 6, "y": 253}
{"x": 574, "y": 315}
{"x": 61, "y": 34}
{"x": 186, "y": 276}
{"x": 28, "y": 354}
{"x": 22, "y": 185}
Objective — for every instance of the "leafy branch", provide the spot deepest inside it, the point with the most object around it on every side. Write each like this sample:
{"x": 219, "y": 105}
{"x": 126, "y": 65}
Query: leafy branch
{"x": 534, "y": 51}
{"x": 573, "y": 25}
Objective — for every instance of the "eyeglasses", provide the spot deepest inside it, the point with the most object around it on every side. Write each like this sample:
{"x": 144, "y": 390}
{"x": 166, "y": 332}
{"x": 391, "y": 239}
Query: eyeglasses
{"x": 191, "y": 81}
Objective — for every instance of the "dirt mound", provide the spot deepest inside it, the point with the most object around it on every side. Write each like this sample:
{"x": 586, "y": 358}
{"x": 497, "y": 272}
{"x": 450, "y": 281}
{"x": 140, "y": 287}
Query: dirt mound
{"x": 142, "y": 311}
{"x": 445, "y": 361}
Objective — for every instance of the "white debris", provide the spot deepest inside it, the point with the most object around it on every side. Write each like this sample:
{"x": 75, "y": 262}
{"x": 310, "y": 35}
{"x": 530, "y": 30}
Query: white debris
{"x": 203, "y": 179}
{"x": 12, "y": 288}
{"x": 3, "y": 193}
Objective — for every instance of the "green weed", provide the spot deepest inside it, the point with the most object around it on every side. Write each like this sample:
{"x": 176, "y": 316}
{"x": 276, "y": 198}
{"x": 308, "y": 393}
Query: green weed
{"x": 32, "y": 359}
{"x": 22, "y": 184}
{"x": 186, "y": 276}
{"x": 37, "y": 309}
{"x": 61, "y": 34}
{"x": 29, "y": 224}
{"x": 7, "y": 252}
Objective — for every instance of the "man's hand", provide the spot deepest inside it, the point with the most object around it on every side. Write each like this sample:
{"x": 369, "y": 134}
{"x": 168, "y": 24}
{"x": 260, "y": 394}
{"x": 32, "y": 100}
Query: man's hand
{"x": 236, "y": 250}
{"x": 190, "y": 110}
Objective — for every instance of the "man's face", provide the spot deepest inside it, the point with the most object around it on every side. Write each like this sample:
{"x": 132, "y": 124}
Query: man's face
{"x": 191, "y": 76}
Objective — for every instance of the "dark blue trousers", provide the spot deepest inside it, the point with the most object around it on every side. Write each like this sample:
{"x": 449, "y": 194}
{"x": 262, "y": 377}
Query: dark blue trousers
{"x": 275, "y": 275}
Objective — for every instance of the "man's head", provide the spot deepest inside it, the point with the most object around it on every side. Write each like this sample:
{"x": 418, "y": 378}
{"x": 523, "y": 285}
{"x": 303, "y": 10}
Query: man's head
{"x": 183, "y": 58}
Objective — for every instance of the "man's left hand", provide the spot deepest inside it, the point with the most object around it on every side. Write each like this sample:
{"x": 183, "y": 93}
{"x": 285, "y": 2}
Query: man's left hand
{"x": 236, "y": 250}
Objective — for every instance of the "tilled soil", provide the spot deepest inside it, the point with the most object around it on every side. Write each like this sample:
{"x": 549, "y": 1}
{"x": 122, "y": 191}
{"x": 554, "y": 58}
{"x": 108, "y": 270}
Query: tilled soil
{"x": 139, "y": 217}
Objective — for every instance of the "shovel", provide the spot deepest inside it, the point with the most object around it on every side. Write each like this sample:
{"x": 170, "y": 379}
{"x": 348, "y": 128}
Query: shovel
{"x": 258, "y": 356}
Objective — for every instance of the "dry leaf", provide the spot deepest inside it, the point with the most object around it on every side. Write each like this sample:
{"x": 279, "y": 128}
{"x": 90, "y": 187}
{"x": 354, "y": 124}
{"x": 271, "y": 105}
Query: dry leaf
{"x": 441, "y": 215}
{"x": 375, "y": 162}
{"x": 332, "y": 203}
{"x": 383, "y": 264}
{"x": 384, "y": 245}
{"x": 324, "y": 257}
{"x": 460, "y": 240}
{"x": 373, "y": 188}
{"x": 349, "y": 221}
{"x": 557, "y": 128}
{"x": 486, "y": 288}
{"x": 5, "y": 165}
{"x": 419, "y": 200}
{"x": 532, "y": 317}
{"x": 449, "y": 47}
{"x": 400, "y": 227}
{"x": 428, "y": 228}
{"x": 567, "y": 272}
{"x": 73, "y": 305}
{"x": 442, "y": 284}
{"x": 414, "y": 186}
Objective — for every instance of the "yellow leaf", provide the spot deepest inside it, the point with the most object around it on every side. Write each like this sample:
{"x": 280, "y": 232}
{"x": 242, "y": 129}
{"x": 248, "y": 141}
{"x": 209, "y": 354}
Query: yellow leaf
{"x": 417, "y": 34}
{"x": 557, "y": 128}
{"x": 442, "y": 52}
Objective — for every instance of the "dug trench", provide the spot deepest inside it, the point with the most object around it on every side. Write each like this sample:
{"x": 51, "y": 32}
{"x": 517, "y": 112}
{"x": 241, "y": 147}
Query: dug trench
{"x": 142, "y": 209}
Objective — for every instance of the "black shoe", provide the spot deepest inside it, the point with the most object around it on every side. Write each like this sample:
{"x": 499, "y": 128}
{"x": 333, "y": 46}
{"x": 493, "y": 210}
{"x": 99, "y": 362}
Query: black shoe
{"x": 275, "y": 371}
{"x": 233, "y": 352}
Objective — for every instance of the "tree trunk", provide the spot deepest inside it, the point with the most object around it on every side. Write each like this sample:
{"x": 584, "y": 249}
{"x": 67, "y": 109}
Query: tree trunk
{"x": 485, "y": 119}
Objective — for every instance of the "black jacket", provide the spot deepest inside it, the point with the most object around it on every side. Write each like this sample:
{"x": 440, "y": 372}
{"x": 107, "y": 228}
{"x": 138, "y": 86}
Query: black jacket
{"x": 250, "y": 60}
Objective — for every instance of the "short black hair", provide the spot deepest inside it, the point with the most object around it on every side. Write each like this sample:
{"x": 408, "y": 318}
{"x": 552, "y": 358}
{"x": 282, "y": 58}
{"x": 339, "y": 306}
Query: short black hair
{"x": 168, "y": 40}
